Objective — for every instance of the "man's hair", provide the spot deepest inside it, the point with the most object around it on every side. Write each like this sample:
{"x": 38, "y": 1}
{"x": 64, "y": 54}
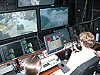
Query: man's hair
{"x": 32, "y": 65}
{"x": 87, "y": 38}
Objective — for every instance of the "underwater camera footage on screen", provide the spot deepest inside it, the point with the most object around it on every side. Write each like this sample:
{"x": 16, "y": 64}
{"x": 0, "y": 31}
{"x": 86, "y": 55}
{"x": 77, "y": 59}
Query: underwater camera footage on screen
{"x": 53, "y": 17}
{"x": 17, "y": 23}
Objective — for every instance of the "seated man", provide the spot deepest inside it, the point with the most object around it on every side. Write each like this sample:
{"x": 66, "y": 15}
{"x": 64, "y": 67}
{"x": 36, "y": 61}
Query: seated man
{"x": 87, "y": 40}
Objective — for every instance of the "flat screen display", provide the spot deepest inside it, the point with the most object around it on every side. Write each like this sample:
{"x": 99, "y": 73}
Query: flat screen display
{"x": 53, "y": 43}
{"x": 74, "y": 31}
{"x": 12, "y": 50}
{"x": 53, "y": 17}
{"x": 64, "y": 33}
{"x": 25, "y": 3}
{"x": 30, "y": 45}
{"x": 17, "y": 23}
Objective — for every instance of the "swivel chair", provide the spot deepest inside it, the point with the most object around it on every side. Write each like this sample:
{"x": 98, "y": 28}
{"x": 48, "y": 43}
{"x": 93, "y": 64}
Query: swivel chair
{"x": 87, "y": 68}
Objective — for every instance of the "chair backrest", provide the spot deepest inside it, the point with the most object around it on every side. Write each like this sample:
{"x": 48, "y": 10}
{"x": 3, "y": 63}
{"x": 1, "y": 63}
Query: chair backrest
{"x": 87, "y": 68}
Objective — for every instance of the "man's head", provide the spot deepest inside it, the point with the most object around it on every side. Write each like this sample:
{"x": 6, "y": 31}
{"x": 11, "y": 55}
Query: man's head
{"x": 32, "y": 65}
{"x": 87, "y": 38}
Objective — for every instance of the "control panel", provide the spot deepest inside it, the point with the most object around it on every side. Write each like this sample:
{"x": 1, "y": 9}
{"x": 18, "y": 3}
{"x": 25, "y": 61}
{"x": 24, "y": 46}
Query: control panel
{"x": 7, "y": 68}
{"x": 50, "y": 62}
{"x": 71, "y": 44}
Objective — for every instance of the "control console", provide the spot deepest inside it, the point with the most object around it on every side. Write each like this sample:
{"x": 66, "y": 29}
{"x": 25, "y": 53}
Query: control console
{"x": 7, "y": 68}
{"x": 50, "y": 62}
{"x": 71, "y": 44}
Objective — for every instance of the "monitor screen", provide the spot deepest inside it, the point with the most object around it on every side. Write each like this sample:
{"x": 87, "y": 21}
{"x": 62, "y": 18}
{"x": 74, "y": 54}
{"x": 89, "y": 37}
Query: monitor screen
{"x": 53, "y": 43}
{"x": 74, "y": 32}
{"x": 64, "y": 33}
{"x": 25, "y": 3}
{"x": 30, "y": 45}
{"x": 11, "y": 50}
{"x": 17, "y": 23}
{"x": 53, "y": 17}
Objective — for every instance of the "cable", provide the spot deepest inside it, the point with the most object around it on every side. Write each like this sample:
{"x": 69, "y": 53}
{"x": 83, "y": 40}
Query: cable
{"x": 91, "y": 25}
{"x": 84, "y": 13}
{"x": 86, "y": 22}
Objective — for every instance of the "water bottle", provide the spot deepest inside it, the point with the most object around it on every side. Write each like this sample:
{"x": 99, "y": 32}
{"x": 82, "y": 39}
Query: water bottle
{"x": 97, "y": 35}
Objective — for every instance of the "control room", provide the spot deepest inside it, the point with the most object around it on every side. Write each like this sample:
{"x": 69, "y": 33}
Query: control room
{"x": 49, "y": 37}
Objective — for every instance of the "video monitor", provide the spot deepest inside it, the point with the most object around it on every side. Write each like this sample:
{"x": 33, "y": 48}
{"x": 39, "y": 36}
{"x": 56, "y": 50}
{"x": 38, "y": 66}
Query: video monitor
{"x": 74, "y": 32}
{"x": 25, "y": 3}
{"x": 17, "y": 23}
{"x": 53, "y": 43}
{"x": 30, "y": 45}
{"x": 53, "y": 17}
{"x": 64, "y": 33}
{"x": 12, "y": 50}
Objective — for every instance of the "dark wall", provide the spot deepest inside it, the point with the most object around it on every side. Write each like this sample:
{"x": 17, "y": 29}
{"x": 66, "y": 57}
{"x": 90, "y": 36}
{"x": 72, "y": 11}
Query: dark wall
{"x": 82, "y": 10}
{"x": 87, "y": 10}
{"x": 96, "y": 13}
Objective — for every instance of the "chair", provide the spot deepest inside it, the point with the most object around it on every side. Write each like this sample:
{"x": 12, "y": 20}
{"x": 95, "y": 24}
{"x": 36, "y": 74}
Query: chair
{"x": 87, "y": 68}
